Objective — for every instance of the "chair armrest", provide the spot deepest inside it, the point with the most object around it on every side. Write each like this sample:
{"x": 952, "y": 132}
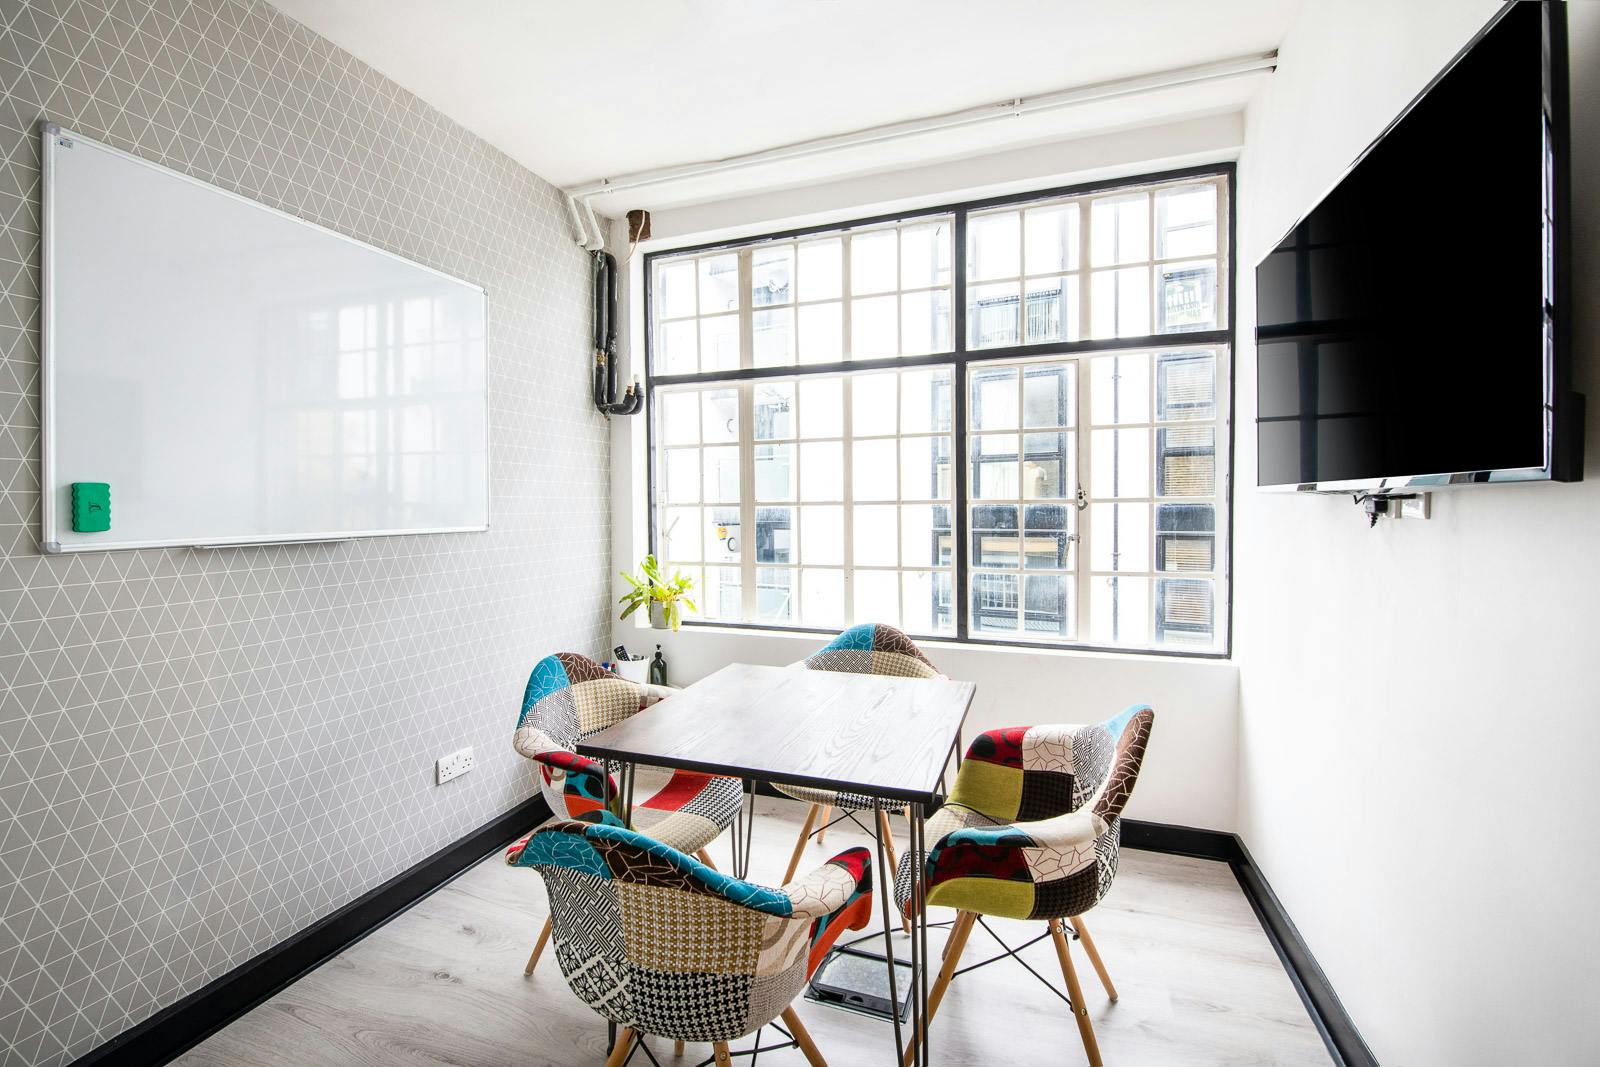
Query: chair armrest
{"x": 836, "y": 897}
{"x": 585, "y": 778}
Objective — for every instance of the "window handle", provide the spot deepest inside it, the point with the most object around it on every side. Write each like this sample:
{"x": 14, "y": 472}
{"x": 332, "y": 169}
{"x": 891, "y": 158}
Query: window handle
{"x": 1083, "y": 498}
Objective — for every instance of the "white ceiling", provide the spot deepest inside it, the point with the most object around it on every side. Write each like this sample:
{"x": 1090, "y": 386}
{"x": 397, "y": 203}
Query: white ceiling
{"x": 577, "y": 92}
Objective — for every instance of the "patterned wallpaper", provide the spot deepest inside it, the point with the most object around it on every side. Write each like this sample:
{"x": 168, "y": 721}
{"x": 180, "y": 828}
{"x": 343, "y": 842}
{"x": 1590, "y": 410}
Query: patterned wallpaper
{"x": 202, "y": 752}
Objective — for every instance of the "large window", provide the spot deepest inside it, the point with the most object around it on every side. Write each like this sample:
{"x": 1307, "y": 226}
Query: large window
{"x": 1004, "y": 421}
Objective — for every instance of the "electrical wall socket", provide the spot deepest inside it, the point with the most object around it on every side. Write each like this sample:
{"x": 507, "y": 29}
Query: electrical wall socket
{"x": 454, "y": 765}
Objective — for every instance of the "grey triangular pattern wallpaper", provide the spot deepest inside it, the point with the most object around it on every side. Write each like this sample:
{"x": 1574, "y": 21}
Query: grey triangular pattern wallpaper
{"x": 202, "y": 752}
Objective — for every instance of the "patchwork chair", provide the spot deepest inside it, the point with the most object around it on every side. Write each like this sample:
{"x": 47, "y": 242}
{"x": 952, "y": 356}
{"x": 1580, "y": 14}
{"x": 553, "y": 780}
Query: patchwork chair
{"x": 660, "y": 944}
{"x": 1032, "y": 831}
{"x": 868, "y": 648}
{"x": 570, "y": 697}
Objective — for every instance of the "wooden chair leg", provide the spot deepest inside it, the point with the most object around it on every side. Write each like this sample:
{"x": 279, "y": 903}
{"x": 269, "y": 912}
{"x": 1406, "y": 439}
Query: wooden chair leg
{"x": 538, "y": 947}
{"x": 719, "y": 1050}
{"x": 619, "y": 1051}
{"x": 1079, "y": 1010}
{"x": 1094, "y": 956}
{"x": 808, "y": 1047}
{"x": 705, "y": 857}
{"x": 953, "y": 947}
{"x": 677, "y": 1048}
{"x": 800, "y": 845}
{"x": 827, "y": 813}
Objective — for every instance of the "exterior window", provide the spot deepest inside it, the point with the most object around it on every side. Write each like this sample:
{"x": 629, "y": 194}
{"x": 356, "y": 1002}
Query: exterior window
{"x": 832, "y": 443}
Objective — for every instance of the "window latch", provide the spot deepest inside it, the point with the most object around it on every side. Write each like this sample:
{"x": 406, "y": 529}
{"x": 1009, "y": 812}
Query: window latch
{"x": 1083, "y": 498}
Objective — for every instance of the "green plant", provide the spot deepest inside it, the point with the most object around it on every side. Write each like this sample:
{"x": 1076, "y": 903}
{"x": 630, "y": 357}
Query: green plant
{"x": 649, "y": 587}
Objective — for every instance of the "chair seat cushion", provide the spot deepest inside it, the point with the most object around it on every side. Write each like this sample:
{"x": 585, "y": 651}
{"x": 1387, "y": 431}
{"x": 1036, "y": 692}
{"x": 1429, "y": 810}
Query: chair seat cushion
{"x": 687, "y": 813}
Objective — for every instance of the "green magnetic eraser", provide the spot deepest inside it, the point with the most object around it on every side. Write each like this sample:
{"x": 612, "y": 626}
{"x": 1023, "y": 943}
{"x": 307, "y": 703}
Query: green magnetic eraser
{"x": 91, "y": 507}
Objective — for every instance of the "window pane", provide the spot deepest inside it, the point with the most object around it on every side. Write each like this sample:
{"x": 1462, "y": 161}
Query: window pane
{"x": 1187, "y": 297}
{"x": 873, "y": 475}
{"x": 719, "y": 343}
{"x": 719, "y": 598}
{"x": 774, "y": 535}
{"x": 821, "y": 333}
{"x": 873, "y": 268}
{"x": 878, "y": 597}
{"x": 924, "y": 468}
{"x": 719, "y": 284}
{"x": 822, "y": 597}
{"x": 822, "y": 534}
{"x": 926, "y": 602}
{"x": 994, "y": 246}
{"x": 674, "y": 292}
{"x": 1119, "y": 611}
{"x": 680, "y": 417}
{"x": 1120, "y": 388}
{"x": 1186, "y": 385}
{"x": 1185, "y": 612}
{"x": 1119, "y": 537}
{"x": 1186, "y": 461}
{"x": 993, "y": 317}
{"x": 1047, "y": 605}
{"x": 721, "y": 529}
{"x": 1047, "y": 536}
{"x": 1052, "y": 309}
{"x": 774, "y": 410}
{"x": 918, "y": 544}
{"x": 1048, "y": 395}
{"x": 722, "y": 474}
{"x": 925, "y": 322}
{"x": 995, "y": 541}
{"x": 995, "y": 600}
{"x": 771, "y": 274}
{"x": 721, "y": 415}
{"x": 873, "y": 332}
{"x": 1121, "y": 302}
{"x": 774, "y": 594}
{"x": 1186, "y": 537}
{"x": 821, "y": 407}
{"x": 876, "y": 539}
{"x": 925, "y": 255}
{"x": 1121, "y": 463}
{"x": 677, "y": 347}
{"x": 925, "y": 401}
{"x": 680, "y": 534}
{"x": 772, "y": 337}
{"x": 821, "y": 269}
{"x": 994, "y": 466}
{"x": 872, "y": 404}
{"x": 822, "y": 470}
{"x": 681, "y": 476}
{"x": 1119, "y": 230}
{"x": 1186, "y": 222}
{"x": 1048, "y": 468}
{"x": 1052, "y": 239}
{"x": 774, "y": 472}
{"x": 994, "y": 398}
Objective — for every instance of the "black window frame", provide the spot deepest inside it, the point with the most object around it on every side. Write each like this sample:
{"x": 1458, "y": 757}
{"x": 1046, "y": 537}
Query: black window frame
{"x": 959, "y": 359}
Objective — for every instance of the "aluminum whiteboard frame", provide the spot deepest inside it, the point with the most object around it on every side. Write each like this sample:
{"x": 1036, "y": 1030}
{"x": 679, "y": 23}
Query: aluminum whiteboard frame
{"x": 49, "y": 131}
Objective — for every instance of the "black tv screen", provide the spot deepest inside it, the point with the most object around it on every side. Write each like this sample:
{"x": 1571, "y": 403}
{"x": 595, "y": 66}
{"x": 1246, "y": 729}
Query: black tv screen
{"x": 1409, "y": 328}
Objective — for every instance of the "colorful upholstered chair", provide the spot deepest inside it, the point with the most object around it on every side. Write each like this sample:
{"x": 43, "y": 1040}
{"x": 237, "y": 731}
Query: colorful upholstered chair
{"x": 869, "y": 648}
{"x": 663, "y": 945}
{"x": 570, "y": 697}
{"x": 1031, "y": 831}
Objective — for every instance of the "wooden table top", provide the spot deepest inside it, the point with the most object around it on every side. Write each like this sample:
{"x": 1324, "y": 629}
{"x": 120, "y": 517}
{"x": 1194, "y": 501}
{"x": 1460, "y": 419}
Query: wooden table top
{"x": 861, "y": 733}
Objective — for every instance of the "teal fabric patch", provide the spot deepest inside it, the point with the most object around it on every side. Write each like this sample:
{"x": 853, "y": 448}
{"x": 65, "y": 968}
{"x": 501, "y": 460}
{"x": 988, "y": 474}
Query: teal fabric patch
{"x": 755, "y": 897}
{"x": 558, "y": 848}
{"x": 1006, "y": 836}
{"x": 856, "y": 639}
{"x": 548, "y": 676}
{"x": 1115, "y": 726}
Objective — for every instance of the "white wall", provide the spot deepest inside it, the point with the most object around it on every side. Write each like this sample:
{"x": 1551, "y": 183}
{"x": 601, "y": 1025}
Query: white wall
{"x": 1191, "y": 769}
{"x": 1419, "y": 701}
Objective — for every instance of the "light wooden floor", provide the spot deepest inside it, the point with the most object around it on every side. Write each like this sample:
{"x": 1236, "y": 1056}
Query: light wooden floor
{"x": 443, "y": 984}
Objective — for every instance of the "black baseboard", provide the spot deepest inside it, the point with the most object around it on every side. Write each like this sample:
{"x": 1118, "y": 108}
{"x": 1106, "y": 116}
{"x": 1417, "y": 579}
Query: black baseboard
{"x": 1338, "y": 1030}
{"x": 179, "y": 1027}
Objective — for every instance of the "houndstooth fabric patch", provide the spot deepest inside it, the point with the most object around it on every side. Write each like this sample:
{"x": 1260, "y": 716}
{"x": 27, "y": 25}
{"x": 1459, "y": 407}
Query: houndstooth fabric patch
{"x": 603, "y": 703}
{"x": 691, "y": 1006}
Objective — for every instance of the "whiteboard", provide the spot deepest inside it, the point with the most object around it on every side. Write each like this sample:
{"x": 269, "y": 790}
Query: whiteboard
{"x": 238, "y": 375}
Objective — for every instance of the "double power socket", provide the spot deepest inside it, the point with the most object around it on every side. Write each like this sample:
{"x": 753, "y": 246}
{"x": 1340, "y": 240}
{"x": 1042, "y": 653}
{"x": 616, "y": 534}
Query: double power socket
{"x": 454, "y": 765}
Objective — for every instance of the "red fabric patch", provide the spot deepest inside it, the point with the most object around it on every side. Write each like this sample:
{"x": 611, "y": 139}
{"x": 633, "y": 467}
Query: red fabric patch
{"x": 855, "y": 860}
{"x": 678, "y": 793}
{"x": 1003, "y": 746}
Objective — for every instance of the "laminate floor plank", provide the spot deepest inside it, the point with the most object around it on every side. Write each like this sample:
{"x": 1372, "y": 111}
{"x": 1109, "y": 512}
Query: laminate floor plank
{"x": 1199, "y": 983}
